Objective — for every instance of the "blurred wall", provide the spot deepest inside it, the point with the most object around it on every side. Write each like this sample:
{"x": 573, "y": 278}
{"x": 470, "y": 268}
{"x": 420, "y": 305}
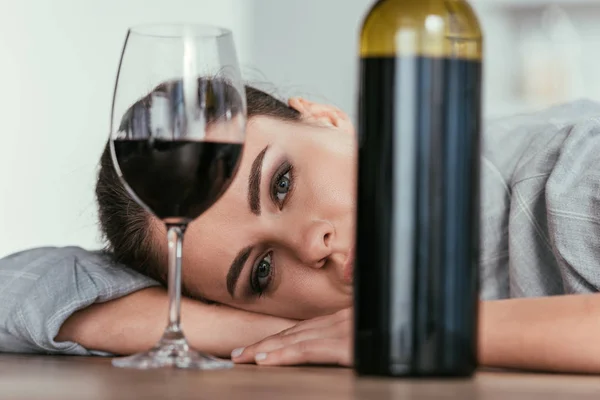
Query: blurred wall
{"x": 537, "y": 52}
{"x": 58, "y": 64}
{"x": 307, "y": 48}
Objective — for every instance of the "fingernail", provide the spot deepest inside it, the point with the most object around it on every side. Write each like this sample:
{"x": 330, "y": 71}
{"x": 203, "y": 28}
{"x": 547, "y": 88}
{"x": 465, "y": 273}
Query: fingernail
{"x": 237, "y": 352}
{"x": 260, "y": 357}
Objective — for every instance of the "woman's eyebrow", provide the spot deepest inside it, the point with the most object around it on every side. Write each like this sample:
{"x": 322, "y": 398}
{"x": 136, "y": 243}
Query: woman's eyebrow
{"x": 236, "y": 268}
{"x": 254, "y": 182}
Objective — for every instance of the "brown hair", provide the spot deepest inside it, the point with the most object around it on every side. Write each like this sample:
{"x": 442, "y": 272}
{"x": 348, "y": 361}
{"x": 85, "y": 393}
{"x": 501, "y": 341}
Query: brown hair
{"x": 125, "y": 225}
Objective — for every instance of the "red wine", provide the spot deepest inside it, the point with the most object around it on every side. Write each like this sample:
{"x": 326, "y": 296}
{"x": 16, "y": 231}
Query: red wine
{"x": 418, "y": 214}
{"x": 177, "y": 180}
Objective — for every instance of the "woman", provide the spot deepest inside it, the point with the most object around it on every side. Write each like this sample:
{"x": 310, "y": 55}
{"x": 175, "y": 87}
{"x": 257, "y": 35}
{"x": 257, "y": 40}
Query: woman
{"x": 267, "y": 264}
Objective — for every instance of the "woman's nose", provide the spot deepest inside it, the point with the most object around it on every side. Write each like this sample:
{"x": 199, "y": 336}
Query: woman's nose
{"x": 315, "y": 243}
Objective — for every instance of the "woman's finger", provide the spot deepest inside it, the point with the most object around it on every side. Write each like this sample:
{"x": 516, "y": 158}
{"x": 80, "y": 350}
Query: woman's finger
{"x": 317, "y": 351}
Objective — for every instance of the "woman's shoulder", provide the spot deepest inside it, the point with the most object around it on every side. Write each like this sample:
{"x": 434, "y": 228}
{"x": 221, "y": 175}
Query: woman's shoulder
{"x": 95, "y": 271}
{"x": 528, "y": 145}
{"x": 537, "y": 169}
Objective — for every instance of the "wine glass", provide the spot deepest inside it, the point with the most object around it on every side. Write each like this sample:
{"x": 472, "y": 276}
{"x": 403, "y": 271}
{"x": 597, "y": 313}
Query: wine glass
{"x": 177, "y": 132}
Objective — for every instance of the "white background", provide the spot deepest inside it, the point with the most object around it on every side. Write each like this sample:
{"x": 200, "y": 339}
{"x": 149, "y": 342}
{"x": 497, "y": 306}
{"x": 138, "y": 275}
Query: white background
{"x": 58, "y": 60}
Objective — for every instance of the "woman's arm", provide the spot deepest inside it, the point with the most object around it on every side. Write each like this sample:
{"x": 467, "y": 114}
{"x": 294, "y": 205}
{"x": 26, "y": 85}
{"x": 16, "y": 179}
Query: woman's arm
{"x": 558, "y": 334}
{"x": 135, "y": 323}
{"x": 72, "y": 301}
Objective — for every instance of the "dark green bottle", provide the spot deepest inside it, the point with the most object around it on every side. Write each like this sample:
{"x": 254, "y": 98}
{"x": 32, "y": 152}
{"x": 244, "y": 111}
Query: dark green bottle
{"x": 416, "y": 272}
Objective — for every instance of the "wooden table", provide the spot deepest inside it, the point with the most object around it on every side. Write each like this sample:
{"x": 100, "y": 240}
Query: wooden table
{"x": 63, "y": 378}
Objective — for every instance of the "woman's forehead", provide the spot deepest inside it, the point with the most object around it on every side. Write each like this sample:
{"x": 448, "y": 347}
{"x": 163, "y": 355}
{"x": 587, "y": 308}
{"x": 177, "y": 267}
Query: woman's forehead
{"x": 262, "y": 127}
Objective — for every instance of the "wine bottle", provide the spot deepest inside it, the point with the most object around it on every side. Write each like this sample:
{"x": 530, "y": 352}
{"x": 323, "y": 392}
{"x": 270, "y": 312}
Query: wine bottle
{"x": 416, "y": 269}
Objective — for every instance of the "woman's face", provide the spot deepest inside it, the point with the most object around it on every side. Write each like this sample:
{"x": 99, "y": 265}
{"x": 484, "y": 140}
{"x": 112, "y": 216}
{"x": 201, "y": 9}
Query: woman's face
{"x": 281, "y": 239}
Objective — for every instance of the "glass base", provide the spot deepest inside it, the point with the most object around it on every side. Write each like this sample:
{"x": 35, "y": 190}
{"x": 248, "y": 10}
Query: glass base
{"x": 172, "y": 354}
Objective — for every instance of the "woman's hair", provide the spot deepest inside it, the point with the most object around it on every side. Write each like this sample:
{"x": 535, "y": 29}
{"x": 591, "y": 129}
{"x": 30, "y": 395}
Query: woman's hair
{"x": 125, "y": 225}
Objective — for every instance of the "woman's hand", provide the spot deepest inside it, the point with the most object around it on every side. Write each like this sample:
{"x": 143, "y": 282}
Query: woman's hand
{"x": 322, "y": 340}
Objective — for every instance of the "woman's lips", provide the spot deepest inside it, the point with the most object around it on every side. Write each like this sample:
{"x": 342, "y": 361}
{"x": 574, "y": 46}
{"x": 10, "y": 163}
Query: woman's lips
{"x": 348, "y": 268}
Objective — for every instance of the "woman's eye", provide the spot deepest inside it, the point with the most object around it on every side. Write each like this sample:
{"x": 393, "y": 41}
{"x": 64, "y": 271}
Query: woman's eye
{"x": 282, "y": 187}
{"x": 282, "y": 184}
{"x": 261, "y": 276}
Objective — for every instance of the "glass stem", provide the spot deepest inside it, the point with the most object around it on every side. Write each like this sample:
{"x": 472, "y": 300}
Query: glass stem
{"x": 175, "y": 239}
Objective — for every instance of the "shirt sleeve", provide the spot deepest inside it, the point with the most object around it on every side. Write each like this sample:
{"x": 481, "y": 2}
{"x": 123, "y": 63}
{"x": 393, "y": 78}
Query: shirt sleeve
{"x": 573, "y": 208}
{"x": 41, "y": 288}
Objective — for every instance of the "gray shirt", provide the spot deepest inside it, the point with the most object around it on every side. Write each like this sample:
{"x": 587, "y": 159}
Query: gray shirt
{"x": 540, "y": 217}
{"x": 540, "y": 230}
{"x": 41, "y": 288}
